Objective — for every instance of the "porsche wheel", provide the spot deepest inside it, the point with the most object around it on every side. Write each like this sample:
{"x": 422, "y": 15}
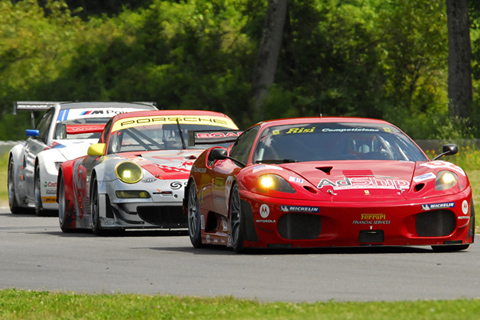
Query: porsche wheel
{"x": 39, "y": 211}
{"x": 12, "y": 198}
{"x": 95, "y": 209}
{"x": 62, "y": 206}
{"x": 193, "y": 216}
{"x": 237, "y": 224}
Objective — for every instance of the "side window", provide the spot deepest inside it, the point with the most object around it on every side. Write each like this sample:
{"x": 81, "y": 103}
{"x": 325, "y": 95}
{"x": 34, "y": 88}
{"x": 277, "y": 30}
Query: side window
{"x": 44, "y": 125}
{"x": 106, "y": 131}
{"x": 242, "y": 147}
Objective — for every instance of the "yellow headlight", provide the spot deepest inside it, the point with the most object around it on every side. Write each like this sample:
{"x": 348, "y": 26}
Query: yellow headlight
{"x": 129, "y": 172}
{"x": 445, "y": 180}
{"x": 266, "y": 181}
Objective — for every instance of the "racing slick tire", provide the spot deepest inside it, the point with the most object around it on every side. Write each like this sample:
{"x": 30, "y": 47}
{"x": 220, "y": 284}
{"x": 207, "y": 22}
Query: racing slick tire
{"x": 12, "y": 198}
{"x": 62, "y": 206}
{"x": 193, "y": 216}
{"x": 95, "y": 209}
{"x": 237, "y": 221}
{"x": 39, "y": 211}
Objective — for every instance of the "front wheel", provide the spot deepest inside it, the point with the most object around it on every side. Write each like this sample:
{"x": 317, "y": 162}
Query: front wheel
{"x": 62, "y": 206}
{"x": 193, "y": 216}
{"x": 95, "y": 209}
{"x": 237, "y": 221}
{"x": 39, "y": 211}
{"x": 12, "y": 198}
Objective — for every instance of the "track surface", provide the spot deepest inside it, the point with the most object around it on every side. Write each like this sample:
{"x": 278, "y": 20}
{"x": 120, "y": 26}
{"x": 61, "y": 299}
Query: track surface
{"x": 36, "y": 255}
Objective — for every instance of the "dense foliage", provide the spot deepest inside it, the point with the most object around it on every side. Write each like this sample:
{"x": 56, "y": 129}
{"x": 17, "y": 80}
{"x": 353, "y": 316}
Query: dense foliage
{"x": 370, "y": 58}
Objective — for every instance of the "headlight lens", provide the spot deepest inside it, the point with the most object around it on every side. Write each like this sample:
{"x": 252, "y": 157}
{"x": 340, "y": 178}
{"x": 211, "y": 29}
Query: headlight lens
{"x": 445, "y": 180}
{"x": 274, "y": 182}
{"x": 129, "y": 172}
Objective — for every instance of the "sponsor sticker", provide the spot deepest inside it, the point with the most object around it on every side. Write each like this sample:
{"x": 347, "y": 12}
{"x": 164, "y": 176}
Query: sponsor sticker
{"x": 299, "y": 209}
{"x": 295, "y": 179}
{"x": 372, "y": 219}
{"x": 364, "y": 183}
{"x": 264, "y": 211}
{"x": 433, "y": 206}
{"x": 49, "y": 184}
{"x": 465, "y": 207}
{"x": 300, "y": 130}
{"x": 423, "y": 177}
{"x": 49, "y": 199}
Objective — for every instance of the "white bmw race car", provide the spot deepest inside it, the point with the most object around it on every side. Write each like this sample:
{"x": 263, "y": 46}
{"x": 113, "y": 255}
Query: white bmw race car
{"x": 65, "y": 132}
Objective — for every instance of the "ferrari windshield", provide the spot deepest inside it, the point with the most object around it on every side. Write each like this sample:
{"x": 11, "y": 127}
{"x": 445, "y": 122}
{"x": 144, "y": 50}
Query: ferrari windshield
{"x": 156, "y": 137}
{"x": 334, "y": 141}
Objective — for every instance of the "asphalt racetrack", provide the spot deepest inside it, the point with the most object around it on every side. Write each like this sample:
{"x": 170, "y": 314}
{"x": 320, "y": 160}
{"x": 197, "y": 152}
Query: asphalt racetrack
{"x": 36, "y": 255}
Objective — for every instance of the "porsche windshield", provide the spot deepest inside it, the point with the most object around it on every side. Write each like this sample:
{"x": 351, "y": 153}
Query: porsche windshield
{"x": 155, "y": 137}
{"x": 334, "y": 141}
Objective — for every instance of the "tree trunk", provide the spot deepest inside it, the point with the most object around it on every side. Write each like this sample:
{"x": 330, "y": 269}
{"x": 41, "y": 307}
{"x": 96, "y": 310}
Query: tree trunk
{"x": 267, "y": 59}
{"x": 459, "y": 58}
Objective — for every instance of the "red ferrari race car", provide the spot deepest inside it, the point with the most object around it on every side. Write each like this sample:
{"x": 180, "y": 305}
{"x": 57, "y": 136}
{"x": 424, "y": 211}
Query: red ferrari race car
{"x": 327, "y": 182}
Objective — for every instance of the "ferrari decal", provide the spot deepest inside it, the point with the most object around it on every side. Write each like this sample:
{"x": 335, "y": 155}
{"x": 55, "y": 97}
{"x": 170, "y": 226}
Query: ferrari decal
{"x": 364, "y": 182}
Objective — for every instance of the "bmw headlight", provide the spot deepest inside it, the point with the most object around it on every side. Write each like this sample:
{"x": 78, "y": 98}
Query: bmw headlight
{"x": 129, "y": 172}
{"x": 274, "y": 182}
{"x": 445, "y": 180}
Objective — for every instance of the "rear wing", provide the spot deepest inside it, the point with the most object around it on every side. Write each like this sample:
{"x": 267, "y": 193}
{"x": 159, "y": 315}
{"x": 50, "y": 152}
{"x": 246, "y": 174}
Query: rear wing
{"x": 212, "y": 137}
{"x": 33, "y": 106}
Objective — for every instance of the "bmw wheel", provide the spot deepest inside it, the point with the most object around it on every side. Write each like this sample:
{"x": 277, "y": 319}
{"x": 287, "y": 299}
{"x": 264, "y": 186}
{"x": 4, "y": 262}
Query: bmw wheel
{"x": 193, "y": 216}
{"x": 38, "y": 195}
{"x": 12, "y": 198}
{"x": 237, "y": 224}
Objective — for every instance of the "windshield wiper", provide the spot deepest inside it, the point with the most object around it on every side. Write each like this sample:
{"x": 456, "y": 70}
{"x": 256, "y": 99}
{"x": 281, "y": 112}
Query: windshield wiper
{"x": 276, "y": 161}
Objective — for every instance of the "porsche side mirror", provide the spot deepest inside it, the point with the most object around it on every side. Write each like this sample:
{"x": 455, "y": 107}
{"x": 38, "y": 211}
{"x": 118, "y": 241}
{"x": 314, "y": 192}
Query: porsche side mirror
{"x": 97, "y": 149}
{"x": 448, "y": 150}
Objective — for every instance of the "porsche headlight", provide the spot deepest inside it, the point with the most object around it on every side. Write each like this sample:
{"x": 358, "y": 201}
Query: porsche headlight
{"x": 274, "y": 182}
{"x": 445, "y": 180}
{"x": 129, "y": 172}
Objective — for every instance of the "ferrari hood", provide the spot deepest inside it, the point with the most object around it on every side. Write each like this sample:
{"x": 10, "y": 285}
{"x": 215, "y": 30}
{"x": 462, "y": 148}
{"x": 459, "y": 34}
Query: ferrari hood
{"x": 167, "y": 164}
{"x": 352, "y": 180}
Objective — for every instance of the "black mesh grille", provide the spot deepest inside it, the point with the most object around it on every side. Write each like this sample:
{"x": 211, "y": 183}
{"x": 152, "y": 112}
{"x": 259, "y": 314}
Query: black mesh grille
{"x": 298, "y": 226}
{"x": 435, "y": 223}
{"x": 164, "y": 216}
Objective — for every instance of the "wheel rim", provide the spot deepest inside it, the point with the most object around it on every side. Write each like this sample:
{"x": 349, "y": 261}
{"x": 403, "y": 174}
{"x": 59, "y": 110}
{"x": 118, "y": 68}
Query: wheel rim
{"x": 235, "y": 216}
{"x": 11, "y": 186}
{"x": 94, "y": 207}
{"x": 192, "y": 211}
{"x": 38, "y": 202}
{"x": 61, "y": 201}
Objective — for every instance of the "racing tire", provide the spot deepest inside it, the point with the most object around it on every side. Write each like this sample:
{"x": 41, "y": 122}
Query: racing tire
{"x": 193, "y": 217}
{"x": 95, "y": 209}
{"x": 12, "y": 198}
{"x": 39, "y": 211}
{"x": 62, "y": 206}
{"x": 236, "y": 220}
{"x": 450, "y": 248}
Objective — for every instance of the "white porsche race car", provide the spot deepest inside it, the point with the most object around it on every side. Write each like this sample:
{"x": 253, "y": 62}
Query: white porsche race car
{"x": 65, "y": 132}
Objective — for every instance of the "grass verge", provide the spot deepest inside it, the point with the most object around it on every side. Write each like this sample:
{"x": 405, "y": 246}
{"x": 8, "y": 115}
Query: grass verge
{"x": 18, "y": 304}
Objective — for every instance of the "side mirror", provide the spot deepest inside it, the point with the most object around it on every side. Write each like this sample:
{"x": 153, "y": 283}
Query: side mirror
{"x": 97, "y": 149}
{"x": 32, "y": 133}
{"x": 448, "y": 150}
